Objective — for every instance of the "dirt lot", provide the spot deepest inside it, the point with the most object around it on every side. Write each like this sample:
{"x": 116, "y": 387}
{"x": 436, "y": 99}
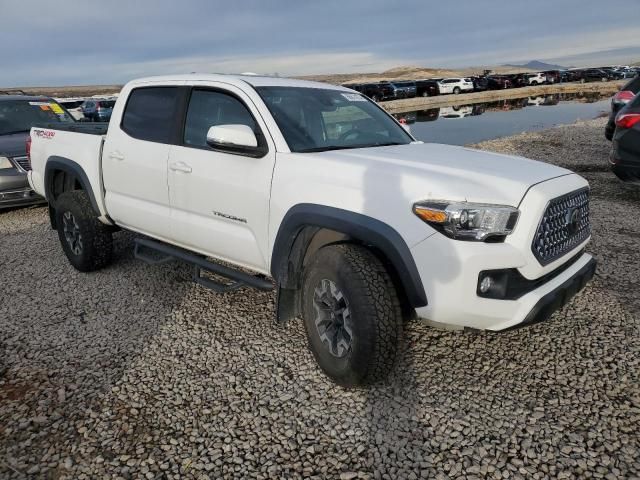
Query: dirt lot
{"x": 134, "y": 372}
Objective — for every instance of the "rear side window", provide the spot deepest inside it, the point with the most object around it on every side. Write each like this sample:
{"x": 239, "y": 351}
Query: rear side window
{"x": 150, "y": 114}
{"x": 208, "y": 108}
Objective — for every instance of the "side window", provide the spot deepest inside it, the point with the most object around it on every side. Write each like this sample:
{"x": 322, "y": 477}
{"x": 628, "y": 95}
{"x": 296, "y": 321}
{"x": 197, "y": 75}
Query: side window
{"x": 208, "y": 108}
{"x": 150, "y": 114}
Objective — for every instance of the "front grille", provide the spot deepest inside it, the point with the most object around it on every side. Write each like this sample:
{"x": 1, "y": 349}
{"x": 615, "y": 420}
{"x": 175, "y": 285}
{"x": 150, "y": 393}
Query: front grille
{"x": 564, "y": 226}
{"x": 23, "y": 162}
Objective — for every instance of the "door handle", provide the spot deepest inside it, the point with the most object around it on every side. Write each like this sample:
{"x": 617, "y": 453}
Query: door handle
{"x": 115, "y": 155}
{"x": 180, "y": 167}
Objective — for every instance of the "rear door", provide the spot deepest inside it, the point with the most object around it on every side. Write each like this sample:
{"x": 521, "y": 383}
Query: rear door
{"x": 220, "y": 200}
{"x": 135, "y": 156}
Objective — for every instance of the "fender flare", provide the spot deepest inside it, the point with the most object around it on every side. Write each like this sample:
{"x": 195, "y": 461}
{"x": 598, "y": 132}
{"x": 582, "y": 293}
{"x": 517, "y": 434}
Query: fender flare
{"x": 55, "y": 163}
{"x": 363, "y": 228}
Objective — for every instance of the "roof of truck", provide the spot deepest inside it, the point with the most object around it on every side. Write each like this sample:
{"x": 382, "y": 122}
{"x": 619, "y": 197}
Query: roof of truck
{"x": 239, "y": 80}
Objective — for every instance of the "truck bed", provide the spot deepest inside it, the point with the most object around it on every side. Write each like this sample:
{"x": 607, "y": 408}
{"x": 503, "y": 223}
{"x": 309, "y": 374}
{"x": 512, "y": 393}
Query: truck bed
{"x": 90, "y": 128}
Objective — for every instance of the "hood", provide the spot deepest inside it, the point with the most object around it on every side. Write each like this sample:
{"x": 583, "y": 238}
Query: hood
{"x": 445, "y": 172}
{"x": 13, "y": 145}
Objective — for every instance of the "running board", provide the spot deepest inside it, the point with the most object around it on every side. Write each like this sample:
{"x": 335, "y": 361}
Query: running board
{"x": 168, "y": 253}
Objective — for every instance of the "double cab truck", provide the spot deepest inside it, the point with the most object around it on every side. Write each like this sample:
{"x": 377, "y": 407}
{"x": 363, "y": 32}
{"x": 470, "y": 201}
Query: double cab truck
{"x": 314, "y": 190}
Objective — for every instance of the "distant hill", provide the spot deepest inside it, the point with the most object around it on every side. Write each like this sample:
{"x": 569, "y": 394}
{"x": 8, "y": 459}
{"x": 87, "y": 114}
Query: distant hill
{"x": 537, "y": 65}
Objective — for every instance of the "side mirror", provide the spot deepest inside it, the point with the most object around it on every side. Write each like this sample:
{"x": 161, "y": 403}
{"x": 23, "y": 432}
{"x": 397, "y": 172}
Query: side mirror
{"x": 231, "y": 136}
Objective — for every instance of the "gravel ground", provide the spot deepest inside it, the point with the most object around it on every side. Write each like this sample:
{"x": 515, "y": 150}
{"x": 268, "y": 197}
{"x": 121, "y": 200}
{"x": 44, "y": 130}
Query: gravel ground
{"x": 134, "y": 372}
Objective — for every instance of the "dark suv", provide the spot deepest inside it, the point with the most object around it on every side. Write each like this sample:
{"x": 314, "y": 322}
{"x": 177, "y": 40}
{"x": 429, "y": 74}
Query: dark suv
{"x": 18, "y": 113}
{"x": 619, "y": 100}
{"x": 427, "y": 88}
{"x": 594, "y": 75}
{"x": 98, "y": 110}
{"x": 375, "y": 91}
{"x": 625, "y": 147}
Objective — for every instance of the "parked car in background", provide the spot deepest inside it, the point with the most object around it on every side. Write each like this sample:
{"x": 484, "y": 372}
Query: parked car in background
{"x": 18, "y": 113}
{"x": 427, "y": 88}
{"x": 480, "y": 84}
{"x": 552, "y": 76}
{"x": 535, "y": 78}
{"x": 613, "y": 73}
{"x": 618, "y": 102}
{"x": 98, "y": 110}
{"x": 404, "y": 89}
{"x": 375, "y": 91}
{"x": 625, "y": 145}
{"x": 594, "y": 75}
{"x": 455, "y": 85}
{"x": 73, "y": 106}
{"x": 498, "y": 82}
{"x": 569, "y": 76}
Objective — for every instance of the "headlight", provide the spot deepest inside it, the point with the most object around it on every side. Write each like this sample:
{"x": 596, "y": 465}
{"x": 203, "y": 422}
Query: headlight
{"x": 5, "y": 163}
{"x": 468, "y": 221}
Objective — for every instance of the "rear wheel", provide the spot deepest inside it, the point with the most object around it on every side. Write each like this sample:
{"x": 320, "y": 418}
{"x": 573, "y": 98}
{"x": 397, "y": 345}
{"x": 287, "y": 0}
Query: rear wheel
{"x": 351, "y": 314}
{"x": 425, "y": 94}
{"x": 456, "y": 90}
{"x": 86, "y": 242}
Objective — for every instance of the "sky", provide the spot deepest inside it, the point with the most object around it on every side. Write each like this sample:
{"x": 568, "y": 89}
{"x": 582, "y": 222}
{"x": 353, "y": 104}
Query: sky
{"x": 79, "y": 42}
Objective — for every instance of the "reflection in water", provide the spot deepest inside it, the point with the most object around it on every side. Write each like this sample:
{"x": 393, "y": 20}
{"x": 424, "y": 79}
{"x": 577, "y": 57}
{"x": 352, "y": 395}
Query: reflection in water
{"x": 522, "y": 114}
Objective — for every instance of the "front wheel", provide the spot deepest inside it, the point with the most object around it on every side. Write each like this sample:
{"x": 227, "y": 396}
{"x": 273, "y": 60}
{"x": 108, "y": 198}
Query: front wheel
{"x": 87, "y": 243}
{"x": 351, "y": 314}
{"x": 456, "y": 90}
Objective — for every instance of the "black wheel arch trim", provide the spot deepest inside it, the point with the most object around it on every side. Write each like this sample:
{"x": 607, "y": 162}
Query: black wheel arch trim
{"x": 55, "y": 163}
{"x": 363, "y": 228}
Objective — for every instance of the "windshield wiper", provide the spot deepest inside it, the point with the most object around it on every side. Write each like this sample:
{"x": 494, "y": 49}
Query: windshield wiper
{"x": 328, "y": 147}
{"x": 348, "y": 147}
{"x": 388, "y": 144}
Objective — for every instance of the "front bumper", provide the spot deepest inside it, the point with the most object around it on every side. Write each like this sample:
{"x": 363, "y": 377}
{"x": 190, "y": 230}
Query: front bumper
{"x": 19, "y": 198}
{"x": 15, "y": 190}
{"x": 559, "y": 296}
{"x": 450, "y": 269}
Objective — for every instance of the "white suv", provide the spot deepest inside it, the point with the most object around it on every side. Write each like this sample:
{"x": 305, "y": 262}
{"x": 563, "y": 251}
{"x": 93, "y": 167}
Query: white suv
{"x": 455, "y": 85}
{"x": 536, "y": 79}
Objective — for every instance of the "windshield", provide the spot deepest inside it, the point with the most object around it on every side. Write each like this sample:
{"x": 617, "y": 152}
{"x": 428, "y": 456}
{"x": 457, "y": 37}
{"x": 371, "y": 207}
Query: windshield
{"x": 315, "y": 120}
{"x": 20, "y": 115}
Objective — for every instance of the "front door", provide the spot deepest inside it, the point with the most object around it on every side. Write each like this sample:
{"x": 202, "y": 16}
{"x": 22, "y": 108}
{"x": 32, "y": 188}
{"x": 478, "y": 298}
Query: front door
{"x": 219, "y": 200}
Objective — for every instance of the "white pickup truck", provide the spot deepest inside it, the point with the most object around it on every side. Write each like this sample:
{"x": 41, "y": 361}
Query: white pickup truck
{"x": 358, "y": 225}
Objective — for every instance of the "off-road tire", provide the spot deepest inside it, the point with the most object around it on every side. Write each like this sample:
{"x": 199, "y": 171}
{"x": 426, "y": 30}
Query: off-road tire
{"x": 376, "y": 318}
{"x": 96, "y": 248}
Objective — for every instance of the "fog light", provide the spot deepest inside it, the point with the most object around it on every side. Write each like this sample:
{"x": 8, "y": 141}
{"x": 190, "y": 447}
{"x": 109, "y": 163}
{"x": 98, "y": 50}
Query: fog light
{"x": 486, "y": 284}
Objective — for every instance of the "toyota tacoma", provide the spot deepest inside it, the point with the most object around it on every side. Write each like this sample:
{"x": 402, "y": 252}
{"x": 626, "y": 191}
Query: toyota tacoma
{"x": 315, "y": 190}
